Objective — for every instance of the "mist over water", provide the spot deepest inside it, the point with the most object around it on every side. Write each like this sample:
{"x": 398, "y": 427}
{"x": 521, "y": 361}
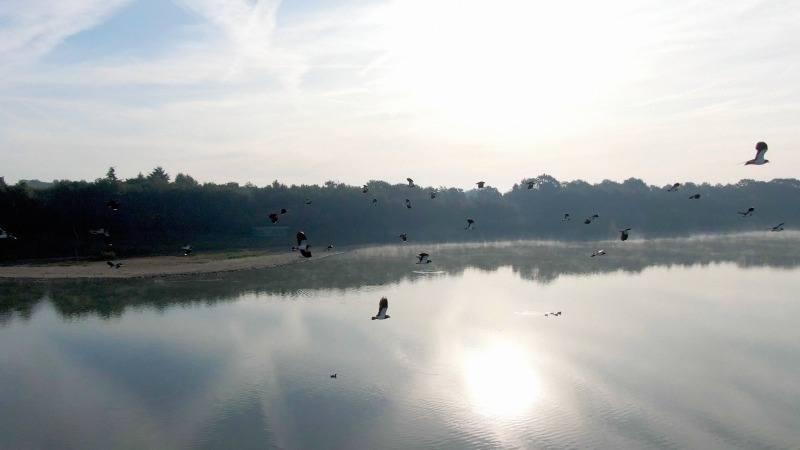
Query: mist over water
{"x": 665, "y": 343}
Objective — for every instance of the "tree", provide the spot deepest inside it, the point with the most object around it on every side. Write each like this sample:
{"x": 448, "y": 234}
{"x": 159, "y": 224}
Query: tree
{"x": 111, "y": 175}
{"x": 139, "y": 180}
{"x": 158, "y": 175}
{"x": 183, "y": 180}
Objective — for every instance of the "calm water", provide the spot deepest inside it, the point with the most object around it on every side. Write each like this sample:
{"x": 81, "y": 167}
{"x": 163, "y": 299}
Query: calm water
{"x": 674, "y": 343}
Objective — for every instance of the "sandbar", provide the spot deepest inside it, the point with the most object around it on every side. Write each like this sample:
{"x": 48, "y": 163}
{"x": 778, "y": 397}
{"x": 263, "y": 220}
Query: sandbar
{"x": 151, "y": 266}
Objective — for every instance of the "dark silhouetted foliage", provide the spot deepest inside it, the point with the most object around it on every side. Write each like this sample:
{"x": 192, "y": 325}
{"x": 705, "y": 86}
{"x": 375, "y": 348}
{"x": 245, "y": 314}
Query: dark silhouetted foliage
{"x": 157, "y": 216}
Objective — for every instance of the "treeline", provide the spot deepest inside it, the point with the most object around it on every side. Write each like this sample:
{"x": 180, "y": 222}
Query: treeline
{"x": 157, "y": 214}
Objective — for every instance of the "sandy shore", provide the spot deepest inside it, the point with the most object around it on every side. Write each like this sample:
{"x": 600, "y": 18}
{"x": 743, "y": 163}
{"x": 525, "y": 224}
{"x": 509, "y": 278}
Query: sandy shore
{"x": 156, "y": 266}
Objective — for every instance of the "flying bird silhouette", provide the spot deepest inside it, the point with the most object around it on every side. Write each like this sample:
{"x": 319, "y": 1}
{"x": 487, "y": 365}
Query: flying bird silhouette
{"x": 273, "y": 217}
{"x": 408, "y": 203}
{"x": 470, "y": 224}
{"x": 423, "y": 258}
{"x": 374, "y": 202}
{"x": 303, "y": 245}
{"x": 383, "y": 307}
{"x": 778, "y": 227}
{"x": 624, "y": 234}
{"x": 410, "y": 182}
{"x": 694, "y": 197}
{"x": 598, "y": 253}
{"x": 364, "y": 189}
{"x": 308, "y": 201}
{"x": 590, "y": 219}
{"x": 186, "y": 249}
{"x": 531, "y": 184}
{"x": 112, "y": 265}
{"x": 403, "y": 236}
{"x": 433, "y": 194}
{"x": 106, "y": 236}
{"x": 761, "y": 150}
{"x": 674, "y": 187}
{"x": 480, "y": 184}
{"x": 566, "y": 217}
{"x": 747, "y": 213}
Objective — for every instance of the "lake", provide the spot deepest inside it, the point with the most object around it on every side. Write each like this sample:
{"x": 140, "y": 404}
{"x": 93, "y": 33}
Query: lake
{"x": 687, "y": 343}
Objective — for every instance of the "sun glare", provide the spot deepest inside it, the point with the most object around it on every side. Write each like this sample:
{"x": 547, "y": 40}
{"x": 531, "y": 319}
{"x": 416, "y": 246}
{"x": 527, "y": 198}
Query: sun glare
{"x": 501, "y": 381}
{"x": 503, "y": 63}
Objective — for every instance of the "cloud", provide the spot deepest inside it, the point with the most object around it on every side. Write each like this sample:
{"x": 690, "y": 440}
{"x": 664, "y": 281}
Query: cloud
{"x": 32, "y": 28}
{"x": 392, "y": 84}
{"x": 248, "y": 31}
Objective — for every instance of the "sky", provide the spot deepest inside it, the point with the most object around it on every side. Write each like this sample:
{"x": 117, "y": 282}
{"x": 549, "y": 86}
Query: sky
{"x": 447, "y": 92}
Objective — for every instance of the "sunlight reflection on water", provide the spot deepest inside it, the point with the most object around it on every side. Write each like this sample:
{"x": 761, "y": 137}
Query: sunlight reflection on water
{"x": 501, "y": 380}
{"x": 671, "y": 354}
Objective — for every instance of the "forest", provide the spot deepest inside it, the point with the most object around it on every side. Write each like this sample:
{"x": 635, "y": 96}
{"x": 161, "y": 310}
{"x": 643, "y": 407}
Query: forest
{"x": 156, "y": 214}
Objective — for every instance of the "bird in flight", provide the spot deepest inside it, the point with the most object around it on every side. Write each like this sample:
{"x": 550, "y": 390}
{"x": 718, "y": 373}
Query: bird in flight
{"x": 112, "y": 265}
{"x": 531, "y": 183}
{"x": 303, "y": 245}
{"x": 480, "y": 184}
{"x": 383, "y": 307}
{"x": 364, "y": 189}
{"x": 186, "y": 249}
{"x": 273, "y": 217}
{"x": 747, "y": 213}
{"x": 624, "y": 234}
{"x": 778, "y": 227}
{"x": 408, "y": 203}
{"x": 694, "y": 197}
{"x": 106, "y": 235}
{"x": 433, "y": 194}
{"x": 423, "y": 258}
{"x": 761, "y": 150}
{"x": 470, "y": 224}
{"x": 674, "y": 187}
{"x": 410, "y": 182}
{"x": 403, "y": 236}
{"x": 590, "y": 219}
{"x": 566, "y": 217}
{"x": 598, "y": 253}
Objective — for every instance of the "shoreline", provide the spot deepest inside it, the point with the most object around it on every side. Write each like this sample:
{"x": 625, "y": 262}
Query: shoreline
{"x": 245, "y": 259}
{"x": 151, "y": 266}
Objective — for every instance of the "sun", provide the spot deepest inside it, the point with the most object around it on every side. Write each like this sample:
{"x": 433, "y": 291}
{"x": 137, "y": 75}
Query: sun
{"x": 502, "y": 64}
{"x": 501, "y": 381}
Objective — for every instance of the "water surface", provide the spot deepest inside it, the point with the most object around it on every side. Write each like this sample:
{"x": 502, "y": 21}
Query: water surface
{"x": 669, "y": 343}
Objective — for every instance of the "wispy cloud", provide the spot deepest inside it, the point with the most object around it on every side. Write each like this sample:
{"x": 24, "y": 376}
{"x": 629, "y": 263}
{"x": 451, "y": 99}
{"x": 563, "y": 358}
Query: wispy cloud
{"x": 32, "y": 28}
